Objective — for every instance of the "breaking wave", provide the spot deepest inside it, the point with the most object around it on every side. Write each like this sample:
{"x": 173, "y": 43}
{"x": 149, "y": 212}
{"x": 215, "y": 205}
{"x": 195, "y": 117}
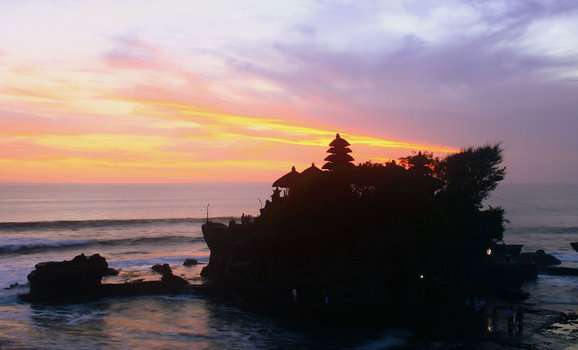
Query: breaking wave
{"x": 545, "y": 229}
{"x": 80, "y": 224}
{"x": 35, "y": 247}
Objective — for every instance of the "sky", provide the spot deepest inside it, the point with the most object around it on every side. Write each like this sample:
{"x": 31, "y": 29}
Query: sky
{"x": 210, "y": 91}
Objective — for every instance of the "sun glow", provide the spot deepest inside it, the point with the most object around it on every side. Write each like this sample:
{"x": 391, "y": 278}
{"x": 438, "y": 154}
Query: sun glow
{"x": 134, "y": 111}
{"x": 165, "y": 142}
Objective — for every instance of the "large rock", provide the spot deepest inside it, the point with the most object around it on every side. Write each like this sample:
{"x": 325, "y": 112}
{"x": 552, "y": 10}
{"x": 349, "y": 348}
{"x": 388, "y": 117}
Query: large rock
{"x": 191, "y": 262}
{"x": 162, "y": 269}
{"x": 540, "y": 258}
{"x": 82, "y": 276}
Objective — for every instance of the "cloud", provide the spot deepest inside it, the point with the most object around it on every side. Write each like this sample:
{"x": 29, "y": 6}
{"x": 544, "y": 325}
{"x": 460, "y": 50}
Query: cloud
{"x": 463, "y": 87}
{"x": 132, "y": 53}
{"x": 258, "y": 83}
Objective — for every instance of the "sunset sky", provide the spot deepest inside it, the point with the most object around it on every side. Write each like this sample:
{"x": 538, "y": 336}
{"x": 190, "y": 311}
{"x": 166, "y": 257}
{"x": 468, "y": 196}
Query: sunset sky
{"x": 182, "y": 91}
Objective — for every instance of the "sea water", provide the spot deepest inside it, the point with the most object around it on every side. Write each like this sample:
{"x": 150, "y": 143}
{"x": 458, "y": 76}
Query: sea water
{"x": 544, "y": 216}
{"x": 137, "y": 225}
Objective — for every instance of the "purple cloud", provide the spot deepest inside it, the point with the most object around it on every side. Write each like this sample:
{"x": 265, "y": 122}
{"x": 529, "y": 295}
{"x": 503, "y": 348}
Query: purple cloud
{"x": 469, "y": 89}
{"x": 132, "y": 53}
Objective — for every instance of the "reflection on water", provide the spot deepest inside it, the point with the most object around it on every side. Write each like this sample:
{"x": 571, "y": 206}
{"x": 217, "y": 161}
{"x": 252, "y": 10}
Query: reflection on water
{"x": 147, "y": 322}
{"x": 64, "y": 325}
{"x": 178, "y": 322}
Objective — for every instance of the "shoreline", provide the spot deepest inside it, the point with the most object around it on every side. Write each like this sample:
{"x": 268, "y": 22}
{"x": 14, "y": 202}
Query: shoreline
{"x": 543, "y": 328}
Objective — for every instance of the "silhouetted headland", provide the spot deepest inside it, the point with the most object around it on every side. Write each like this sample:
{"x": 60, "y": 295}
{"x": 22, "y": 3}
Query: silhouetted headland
{"x": 393, "y": 240}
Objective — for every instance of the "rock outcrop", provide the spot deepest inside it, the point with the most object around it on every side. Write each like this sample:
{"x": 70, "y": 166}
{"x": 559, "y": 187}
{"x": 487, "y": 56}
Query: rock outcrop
{"x": 191, "y": 262}
{"x": 259, "y": 270}
{"x": 162, "y": 269}
{"x": 540, "y": 258}
{"x": 82, "y": 277}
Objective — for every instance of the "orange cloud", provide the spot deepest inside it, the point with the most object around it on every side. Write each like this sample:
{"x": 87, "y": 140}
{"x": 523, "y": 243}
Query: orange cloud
{"x": 181, "y": 128}
{"x": 280, "y": 130}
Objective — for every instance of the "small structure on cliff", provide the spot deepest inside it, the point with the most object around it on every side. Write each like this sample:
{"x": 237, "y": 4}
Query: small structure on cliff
{"x": 311, "y": 171}
{"x": 287, "y": 181}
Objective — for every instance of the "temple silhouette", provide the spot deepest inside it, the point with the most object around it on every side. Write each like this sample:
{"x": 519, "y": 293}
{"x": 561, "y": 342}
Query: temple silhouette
{"x": 339, "y": 157}
{"x": 374, "y": 238}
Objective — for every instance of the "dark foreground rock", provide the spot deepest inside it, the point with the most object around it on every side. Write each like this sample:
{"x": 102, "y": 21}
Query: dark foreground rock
{"x": 82, "y": 276}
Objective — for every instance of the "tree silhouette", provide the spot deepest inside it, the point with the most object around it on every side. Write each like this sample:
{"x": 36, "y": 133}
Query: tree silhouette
{"x": 420, "y": 164}
{"x": 472, "y": 174}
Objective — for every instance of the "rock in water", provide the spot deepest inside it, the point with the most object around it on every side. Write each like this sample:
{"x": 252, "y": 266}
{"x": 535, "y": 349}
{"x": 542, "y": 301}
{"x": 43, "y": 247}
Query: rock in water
{"x": 173, "y": 280}
{"x": 162, "y": 269}
{"x": 190, "y": 262}
{"x": 539, "y": 258}
{"x": 80, "y": 276}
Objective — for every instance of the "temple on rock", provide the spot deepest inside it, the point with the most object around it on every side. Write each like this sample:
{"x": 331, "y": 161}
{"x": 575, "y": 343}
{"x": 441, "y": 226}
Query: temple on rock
{"x": 375, "y": 238}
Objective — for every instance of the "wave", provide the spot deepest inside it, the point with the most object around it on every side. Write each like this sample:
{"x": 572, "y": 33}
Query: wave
{"x": 80, "y": 224}
{"x": 34, "y": 247}
{"x": 545, "y": 229}
{"x": 29, "y": 248}
{"x": 146, "y": 263}
{"x": 571, "y": 257}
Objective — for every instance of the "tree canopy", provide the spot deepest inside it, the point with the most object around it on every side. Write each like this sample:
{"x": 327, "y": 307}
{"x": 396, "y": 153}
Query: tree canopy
{"x": 472, "y": 174}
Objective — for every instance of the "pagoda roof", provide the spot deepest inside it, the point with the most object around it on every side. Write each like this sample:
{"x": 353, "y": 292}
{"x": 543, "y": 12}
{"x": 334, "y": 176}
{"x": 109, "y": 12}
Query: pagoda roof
{"x": 339, "y": 158}
{"x": 339, "y": 142}
{"x": 339, "y": 150}
{"x": 332, "y": 166}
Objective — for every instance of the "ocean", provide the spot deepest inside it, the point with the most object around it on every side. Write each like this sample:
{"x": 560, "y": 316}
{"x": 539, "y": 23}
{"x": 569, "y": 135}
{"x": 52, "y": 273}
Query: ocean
{"x": 138, "y": 225}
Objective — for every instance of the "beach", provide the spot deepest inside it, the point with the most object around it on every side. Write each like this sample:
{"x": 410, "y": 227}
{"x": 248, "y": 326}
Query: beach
{"x": 136, "y": 226}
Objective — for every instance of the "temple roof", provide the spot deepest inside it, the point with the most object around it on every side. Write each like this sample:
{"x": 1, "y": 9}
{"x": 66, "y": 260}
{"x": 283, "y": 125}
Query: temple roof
{"x": 339, "y": 142}
{"x": 336, "y": 150}
{"x": 288, "y": 179}
{"x": 339, "y": 158}
{"x": 312, "y": 170}
{"x": 339, "y": 154}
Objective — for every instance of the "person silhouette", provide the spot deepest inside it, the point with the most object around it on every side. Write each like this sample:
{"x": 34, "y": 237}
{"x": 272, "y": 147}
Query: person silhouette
{"x": 519, "y": 320}
{"x": 510, "y": 323}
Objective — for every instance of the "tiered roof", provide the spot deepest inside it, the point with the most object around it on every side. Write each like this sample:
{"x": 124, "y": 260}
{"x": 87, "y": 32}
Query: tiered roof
{"x": 339, "y": 154}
